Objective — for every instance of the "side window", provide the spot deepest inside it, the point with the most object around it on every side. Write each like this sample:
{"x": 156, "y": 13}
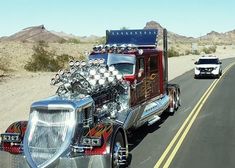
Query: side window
{"x": 141, "y": 63}
{"x": 153, "y": 63}
{"x": 140, "y": 67}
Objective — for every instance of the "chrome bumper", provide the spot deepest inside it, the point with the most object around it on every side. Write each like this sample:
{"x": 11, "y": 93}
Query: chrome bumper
{"x": 8, "y": 160}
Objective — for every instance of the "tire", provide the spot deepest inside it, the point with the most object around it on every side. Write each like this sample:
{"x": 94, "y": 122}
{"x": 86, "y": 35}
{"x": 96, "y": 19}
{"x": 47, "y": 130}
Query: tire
{"x": 175, "y": 102}
{"x": 178, "y": 99}
{"x": 117, "y": 151}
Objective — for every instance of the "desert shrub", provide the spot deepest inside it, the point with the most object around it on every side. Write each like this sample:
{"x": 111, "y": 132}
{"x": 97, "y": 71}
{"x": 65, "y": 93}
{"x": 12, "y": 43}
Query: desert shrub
{"x": 62, "y": 60}
{"x": 82, "y": 57}
{"x": 172, "y": 52}
{"x": 209, "y": 50}
{"x": 74, "y": 40}
{"x": 4, "y": 64}
{"x": 195, "y": 52}
{"x": 225, "y": 48}
{"x": 101, "y": 40}
{"x": 62, "y": 41}
{"x": 187, "y": 52}
{"x": 44, "y": 60}
{"x": 42, "y": 43}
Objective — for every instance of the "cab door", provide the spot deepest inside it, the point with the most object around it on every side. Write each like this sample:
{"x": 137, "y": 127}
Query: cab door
{"x": 152, "y": 88}
{"x": 140, "y": 79}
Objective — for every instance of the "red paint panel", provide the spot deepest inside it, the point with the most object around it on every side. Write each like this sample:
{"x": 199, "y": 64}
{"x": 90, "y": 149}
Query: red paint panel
{"x": 130, "y": 78}
{"x": 17, "y": 127}
{"x": 100, "y": 130}
{"x": 160, "y": 70}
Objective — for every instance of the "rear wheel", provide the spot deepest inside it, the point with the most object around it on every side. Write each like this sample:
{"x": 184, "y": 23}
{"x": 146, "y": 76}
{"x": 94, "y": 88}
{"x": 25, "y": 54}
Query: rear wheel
{"x": 178, "y": 99}
{"x": 119, "y": 151}
{"x": 175, "y": 102}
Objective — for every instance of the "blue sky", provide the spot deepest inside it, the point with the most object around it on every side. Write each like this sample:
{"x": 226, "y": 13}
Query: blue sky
{"x": 86, "y": 17}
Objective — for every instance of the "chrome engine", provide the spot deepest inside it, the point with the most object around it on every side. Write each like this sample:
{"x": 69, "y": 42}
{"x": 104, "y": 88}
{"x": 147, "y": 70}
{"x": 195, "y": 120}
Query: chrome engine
{"x": 104, "y": 84}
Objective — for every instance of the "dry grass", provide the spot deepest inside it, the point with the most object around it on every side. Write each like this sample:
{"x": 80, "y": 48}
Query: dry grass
{"x": 18, "y": 54}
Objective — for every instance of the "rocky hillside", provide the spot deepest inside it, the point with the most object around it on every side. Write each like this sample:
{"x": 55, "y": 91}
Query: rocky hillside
{"x": 172, "y": 37}
{"x": 213, "y": 37}
{"x": 34, "y": 34}
{"x": 72, "y": 37}
{"x": 218, "y": 38}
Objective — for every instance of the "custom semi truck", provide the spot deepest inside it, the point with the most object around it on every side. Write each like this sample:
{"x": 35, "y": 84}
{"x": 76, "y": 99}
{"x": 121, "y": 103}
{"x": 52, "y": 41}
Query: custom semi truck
{"x": 122, "y": 86}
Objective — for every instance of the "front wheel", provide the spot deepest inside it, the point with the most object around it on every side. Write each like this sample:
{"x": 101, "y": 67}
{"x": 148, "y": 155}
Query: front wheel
{"x": 119, "y": 154}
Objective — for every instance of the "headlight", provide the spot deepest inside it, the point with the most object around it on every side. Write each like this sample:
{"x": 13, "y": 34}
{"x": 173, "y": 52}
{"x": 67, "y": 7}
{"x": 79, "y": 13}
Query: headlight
{"x": 57, "y": 76}
{"x": 215, "y": 68}
{"x": 10, "y": 137}
{"x": 111, "y": 68}
{"x": 95, "y": 62}
{"x": 102, "y": 61}
{"x": 53, "y": 81}
{"x": 83, "y": 63}
{"x": 197, "y": 68}
{"x": 91, "y": 141}
{"x": 102, "y": 70}
{"x": 119, "y": 77}
{"x": 111, "y": 79}
{"x": 97, "y": 76}
{"x": 101, "y": 81}
{"x": 93, "y": 82}
{"x": 106, "y": 74}
{"x": 60, "y": 72}
{"x": 115, "y": 72}
{"x": 77, "y": 63}
{"x": 92, "y": 72}
{"x": 71, "y": 63}
{"x": 91, "y": 61}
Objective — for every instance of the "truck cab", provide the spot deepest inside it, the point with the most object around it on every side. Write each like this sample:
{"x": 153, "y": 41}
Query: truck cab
{"x": 139, "y": 61}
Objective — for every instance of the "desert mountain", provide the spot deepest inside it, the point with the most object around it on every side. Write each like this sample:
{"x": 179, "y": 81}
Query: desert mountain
{"x": 64, "y": 35}
{"x": 218, "y": 38}
{"x": 173, "y": 37}
{"x": 34, "y": 34}
{"x": 38, "y": 33}
{"x": 212, "y": 37}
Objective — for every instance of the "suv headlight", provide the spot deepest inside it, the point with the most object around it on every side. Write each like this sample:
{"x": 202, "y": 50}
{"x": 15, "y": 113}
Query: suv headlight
{"x": 215, "y": 68}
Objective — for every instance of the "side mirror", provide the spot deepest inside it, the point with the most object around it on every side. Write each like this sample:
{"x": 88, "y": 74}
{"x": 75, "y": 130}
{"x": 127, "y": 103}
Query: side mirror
{"x": 195, "y": 63}
{"x": 220, "y": 62}
{"x": 141, "y": 71}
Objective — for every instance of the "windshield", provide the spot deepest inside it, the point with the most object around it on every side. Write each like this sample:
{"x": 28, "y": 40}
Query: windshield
{"x": 124, "y": 68}
{"x": 208, "y": 61}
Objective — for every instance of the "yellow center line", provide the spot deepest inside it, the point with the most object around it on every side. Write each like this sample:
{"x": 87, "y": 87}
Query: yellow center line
{"x": 194, "y": 112}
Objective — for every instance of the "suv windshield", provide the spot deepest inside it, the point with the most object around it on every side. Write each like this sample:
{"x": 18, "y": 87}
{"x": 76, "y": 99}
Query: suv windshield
{"x": 208, "y": 61}
{"x": 124, "y": 68}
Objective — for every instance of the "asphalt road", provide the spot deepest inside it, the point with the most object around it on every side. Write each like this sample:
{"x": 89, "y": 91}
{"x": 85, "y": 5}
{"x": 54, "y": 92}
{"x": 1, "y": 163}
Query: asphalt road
{"x": 211, "y": 140}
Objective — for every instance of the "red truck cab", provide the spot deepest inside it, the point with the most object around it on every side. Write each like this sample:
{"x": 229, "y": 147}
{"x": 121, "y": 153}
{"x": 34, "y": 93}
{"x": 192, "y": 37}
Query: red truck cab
{"x": 140, "y": 61}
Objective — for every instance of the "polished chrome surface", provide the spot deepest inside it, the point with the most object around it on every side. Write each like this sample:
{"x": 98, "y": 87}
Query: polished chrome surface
{"x": 19, "y": 161}
{"x": 145, "y": 112}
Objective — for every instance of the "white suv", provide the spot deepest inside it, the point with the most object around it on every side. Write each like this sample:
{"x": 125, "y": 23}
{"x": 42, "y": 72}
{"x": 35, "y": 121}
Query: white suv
{"x": 208, "y": 66}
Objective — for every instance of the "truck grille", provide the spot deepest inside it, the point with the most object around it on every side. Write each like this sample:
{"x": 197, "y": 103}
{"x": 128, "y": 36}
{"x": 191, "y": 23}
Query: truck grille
{"x": 206, "y": 69}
